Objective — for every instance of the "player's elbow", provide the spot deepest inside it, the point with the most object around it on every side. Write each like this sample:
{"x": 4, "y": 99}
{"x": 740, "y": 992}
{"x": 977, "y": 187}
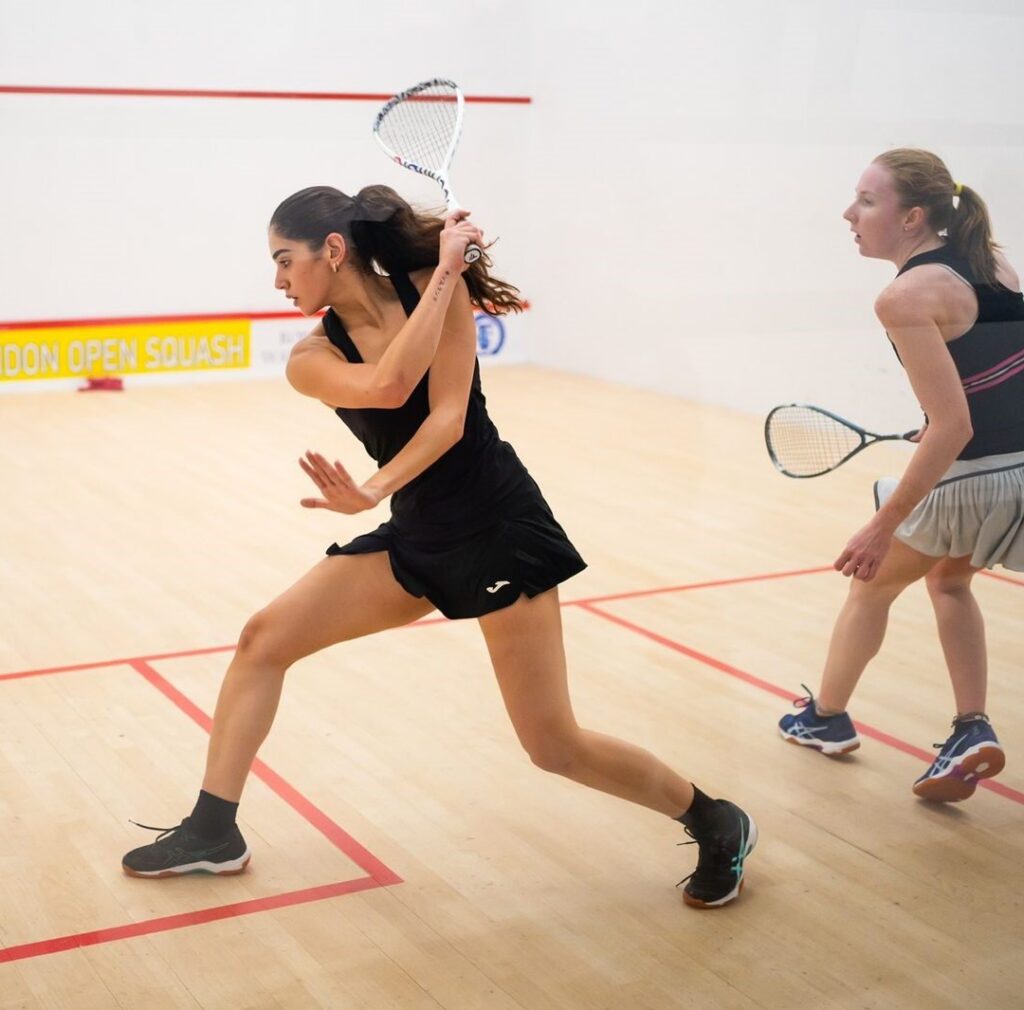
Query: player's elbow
{"x": 297, "y": 374}
{"x": 453, "y": 426}
{"x": 390, "y": 394}
{"x": 957, "y": 430}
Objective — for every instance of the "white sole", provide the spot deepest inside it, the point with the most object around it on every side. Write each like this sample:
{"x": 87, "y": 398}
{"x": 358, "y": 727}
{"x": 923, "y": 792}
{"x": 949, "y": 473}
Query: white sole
{"x": 958, "y": 782}
{"x": 228, "y": 868}
{"x": 827, "y": 748}
{"x": 735, "y": 892}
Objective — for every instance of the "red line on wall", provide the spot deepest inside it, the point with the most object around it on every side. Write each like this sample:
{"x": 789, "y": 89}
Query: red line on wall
{"x": 46, "y": 324}
{"x": 315, "y": 96}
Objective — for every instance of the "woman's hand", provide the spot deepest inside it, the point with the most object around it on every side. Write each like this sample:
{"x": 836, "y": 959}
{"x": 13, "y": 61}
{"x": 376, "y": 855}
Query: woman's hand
{"x": 863, "y": 555}
{"x": 457, "y": 234}
{"x": 340, "y": 492}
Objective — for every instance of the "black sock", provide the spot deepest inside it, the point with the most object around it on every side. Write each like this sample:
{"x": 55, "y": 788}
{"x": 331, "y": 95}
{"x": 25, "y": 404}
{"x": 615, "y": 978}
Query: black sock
{"x": 212, "y": 817}
{"x": 700, "y": 812}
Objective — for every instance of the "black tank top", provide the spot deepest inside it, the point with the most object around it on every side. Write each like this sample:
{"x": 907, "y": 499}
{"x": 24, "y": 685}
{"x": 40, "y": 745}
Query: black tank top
{"x": 472, "y": 486}
{"x": 989, "y": 359}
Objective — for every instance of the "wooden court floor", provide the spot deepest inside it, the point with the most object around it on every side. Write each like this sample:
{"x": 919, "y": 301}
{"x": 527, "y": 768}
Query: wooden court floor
{"x": 406, "y": 852}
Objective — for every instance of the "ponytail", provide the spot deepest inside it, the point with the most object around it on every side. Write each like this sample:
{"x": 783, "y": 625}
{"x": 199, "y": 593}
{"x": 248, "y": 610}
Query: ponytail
{"x": 970, "y": 234}
{"x": 387, "y": 235}
{"x": 922, "y": 180}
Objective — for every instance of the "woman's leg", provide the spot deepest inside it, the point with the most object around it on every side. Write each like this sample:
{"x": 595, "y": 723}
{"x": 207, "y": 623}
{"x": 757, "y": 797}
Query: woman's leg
{"x": 341, "y": 598}
{"x": 961, "y": 631}
{"x": 525, "y": 644}
{"x": 860, "y": 627}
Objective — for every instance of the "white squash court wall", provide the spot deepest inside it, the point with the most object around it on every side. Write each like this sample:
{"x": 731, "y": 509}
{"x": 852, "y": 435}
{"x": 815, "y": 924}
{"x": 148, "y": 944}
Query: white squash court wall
{"x": 669, "y": 203}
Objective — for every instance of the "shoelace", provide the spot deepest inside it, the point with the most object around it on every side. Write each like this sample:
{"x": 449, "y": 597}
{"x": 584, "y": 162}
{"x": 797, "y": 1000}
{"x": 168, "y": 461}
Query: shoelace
{"x": 693, "y": 841}
{"x": 804, "y": 702}
{"x": 735, "y": 865}
{"x": 163, "y": 832}
{"x": 973, "y": 717}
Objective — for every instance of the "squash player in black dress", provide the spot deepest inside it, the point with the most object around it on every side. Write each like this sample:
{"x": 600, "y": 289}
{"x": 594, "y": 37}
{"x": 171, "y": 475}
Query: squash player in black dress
{"x": 470, "y": 533}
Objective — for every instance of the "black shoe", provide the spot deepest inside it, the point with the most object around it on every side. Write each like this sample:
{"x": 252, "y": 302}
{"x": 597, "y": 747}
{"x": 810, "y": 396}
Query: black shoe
{"x": 723, "y": 846}
{"x": 178, "y": 850}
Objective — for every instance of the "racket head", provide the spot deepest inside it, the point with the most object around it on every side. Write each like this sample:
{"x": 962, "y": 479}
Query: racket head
{"x": 420, "y": 127}
{"x": 807, "y": 441}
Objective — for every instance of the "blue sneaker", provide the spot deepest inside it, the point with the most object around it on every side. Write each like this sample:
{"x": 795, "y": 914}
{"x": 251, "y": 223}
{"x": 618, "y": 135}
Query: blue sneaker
{"x": 831, "y": 734}
{"x": 972, "y": 752}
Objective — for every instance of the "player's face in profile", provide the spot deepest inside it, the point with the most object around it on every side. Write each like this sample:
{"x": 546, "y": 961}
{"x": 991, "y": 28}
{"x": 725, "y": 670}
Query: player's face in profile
{"x": 875, "y": 215}
{"x": 303, "y": 275}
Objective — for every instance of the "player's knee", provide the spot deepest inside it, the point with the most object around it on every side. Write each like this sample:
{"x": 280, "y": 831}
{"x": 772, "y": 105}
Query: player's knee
{"x": 553, "y": 752}
{"x": 262, "y": 644}
{"x": 944, "y": 584}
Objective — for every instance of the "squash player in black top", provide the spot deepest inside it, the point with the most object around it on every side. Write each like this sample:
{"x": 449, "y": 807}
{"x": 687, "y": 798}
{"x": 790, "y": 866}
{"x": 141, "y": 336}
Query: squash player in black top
{"x": 955, "y": 316}
{"x": 470, "y": 533}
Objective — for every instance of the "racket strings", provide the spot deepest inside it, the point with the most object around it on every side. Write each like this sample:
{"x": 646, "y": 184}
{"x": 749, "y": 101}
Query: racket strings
{"x": 420, "y": 127}
{"x": 806, "y": 443}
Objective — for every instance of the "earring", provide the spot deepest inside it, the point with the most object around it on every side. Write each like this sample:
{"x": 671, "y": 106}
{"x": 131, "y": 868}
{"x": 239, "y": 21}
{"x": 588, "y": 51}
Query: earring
{"x": 334, "y": 267}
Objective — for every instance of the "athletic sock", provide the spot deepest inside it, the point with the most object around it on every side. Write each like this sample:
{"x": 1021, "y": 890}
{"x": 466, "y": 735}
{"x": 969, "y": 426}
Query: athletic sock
{"x": 700, "y": 813}
{"x": 212, "y": 818}
{"x": 972, "y": 717}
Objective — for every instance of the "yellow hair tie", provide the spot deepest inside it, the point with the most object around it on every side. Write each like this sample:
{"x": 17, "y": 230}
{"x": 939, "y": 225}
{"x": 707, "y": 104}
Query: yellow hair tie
{"x": 958, "y": 188}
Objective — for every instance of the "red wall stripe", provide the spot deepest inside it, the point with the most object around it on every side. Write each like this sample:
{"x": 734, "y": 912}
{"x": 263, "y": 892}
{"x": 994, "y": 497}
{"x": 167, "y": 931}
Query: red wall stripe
{"x": 321, "y": 96}
{"x": 46, "y": 324}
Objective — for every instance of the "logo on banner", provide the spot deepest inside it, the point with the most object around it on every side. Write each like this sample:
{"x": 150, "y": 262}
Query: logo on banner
{"x": 490, "y": 333}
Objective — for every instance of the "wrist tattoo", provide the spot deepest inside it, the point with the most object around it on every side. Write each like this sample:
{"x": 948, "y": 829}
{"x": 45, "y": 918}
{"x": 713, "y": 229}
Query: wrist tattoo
{"x": 440, "y": 285}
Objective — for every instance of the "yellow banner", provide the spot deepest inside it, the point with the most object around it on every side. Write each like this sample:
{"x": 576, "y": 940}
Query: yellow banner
{"x": 69, "y": 352}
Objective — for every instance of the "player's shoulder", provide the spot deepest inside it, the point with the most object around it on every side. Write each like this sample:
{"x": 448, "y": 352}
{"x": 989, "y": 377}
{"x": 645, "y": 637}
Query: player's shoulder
{"x": 918, "y": 296}
{"x": 316, "y": 339}
{"x": 1005, "y": 272}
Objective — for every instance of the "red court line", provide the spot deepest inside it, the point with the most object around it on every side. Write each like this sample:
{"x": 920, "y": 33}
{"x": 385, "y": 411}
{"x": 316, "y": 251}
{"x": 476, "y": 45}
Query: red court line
{"x": 425, "y": 622}
{"x": 360, "y": 855}
{"x": 123, "y": 661}
{"x": 317, "y": 96}
{"x": 740, "y": 580}
{"x": 1004, "y": 578}
{"x": 764, "y": 685}
{"x": 183, "y": 919}
{"x": 379, "y": 875}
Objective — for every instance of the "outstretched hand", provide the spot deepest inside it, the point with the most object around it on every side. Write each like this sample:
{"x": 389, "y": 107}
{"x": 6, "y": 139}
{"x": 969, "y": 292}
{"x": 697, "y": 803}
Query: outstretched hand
{"x": 340, "y": 492}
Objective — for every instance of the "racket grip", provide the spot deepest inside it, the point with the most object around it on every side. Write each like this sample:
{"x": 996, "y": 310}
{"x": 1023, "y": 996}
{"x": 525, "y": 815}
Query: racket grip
{"x": 473, "y": 253}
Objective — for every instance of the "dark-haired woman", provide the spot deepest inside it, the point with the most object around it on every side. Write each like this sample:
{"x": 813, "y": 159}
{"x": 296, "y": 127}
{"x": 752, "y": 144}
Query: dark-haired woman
{"x": 955, "y": 315}
{"x": 469, "y": 533}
